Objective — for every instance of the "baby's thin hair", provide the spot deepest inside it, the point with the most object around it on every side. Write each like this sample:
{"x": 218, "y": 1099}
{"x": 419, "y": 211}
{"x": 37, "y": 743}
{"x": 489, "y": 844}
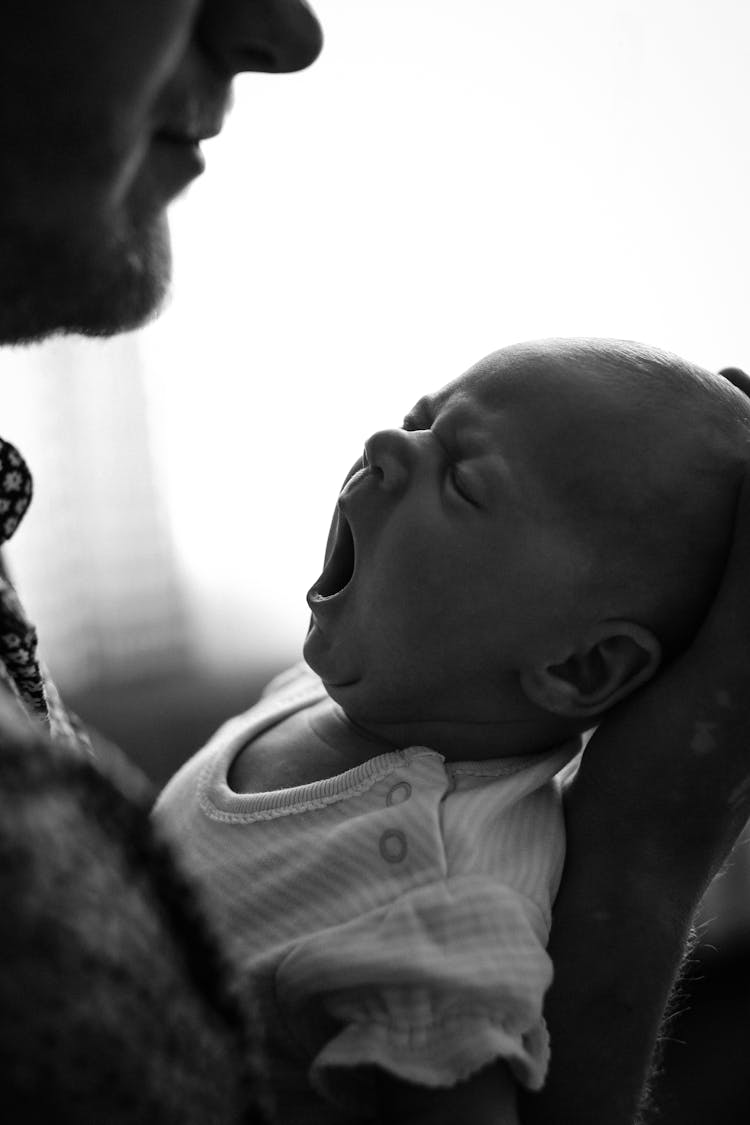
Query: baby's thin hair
{"x": 659, "y": 373}
{"x": 664, "y": 543}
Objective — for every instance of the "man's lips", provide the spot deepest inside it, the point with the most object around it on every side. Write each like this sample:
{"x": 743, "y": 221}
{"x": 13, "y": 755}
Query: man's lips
{"x": 175, "y": 162}
{"x": 188, "y": 134}
{"x": 194, "y": 116}
{"x": 184, "y": 140}
{"x": 191, "y": 121}
{"x": 177, "y": 143}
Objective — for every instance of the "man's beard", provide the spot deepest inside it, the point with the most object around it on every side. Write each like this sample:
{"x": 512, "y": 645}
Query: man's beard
{"x": 98, "y": 284}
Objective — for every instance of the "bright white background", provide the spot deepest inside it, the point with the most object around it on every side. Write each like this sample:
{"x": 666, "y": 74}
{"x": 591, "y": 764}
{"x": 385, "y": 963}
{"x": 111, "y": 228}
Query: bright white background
{"x": 449, "y": 177}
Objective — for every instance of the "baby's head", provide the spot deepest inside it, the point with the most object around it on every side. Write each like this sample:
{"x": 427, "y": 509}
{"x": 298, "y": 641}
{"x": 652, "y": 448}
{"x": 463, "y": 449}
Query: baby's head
{"x": 541, "y": 531}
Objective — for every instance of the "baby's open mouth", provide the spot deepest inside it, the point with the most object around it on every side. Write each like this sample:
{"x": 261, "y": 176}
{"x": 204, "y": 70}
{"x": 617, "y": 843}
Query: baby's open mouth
{"x": 338, "y": 571}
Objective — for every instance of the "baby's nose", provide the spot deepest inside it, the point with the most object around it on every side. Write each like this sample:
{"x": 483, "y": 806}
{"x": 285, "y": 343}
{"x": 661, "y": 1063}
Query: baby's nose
{"x": 389, "y": 453}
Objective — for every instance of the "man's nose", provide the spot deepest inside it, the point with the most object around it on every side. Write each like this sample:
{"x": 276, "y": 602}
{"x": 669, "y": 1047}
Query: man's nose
{"x": 391, "y": 455}
{"x": 274, "y": 36}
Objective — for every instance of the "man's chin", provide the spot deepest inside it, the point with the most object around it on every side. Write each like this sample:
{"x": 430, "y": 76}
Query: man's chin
{"x": 97, "y": 288}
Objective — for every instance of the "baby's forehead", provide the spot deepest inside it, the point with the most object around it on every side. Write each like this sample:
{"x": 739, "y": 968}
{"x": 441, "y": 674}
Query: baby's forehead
{"x": 563, "y": 413}
{"x": 599, "y": 381}
{"x": 512, "y": 379}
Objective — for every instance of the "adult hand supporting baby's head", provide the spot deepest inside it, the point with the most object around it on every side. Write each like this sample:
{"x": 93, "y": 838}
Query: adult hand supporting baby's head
{"x": 670, "y": 767}
{"x": 661, "y": 794}
{"x": 738, "y": 378}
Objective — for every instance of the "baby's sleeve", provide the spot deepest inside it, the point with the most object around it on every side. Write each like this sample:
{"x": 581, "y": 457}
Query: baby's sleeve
{"x": 432, "y": 988}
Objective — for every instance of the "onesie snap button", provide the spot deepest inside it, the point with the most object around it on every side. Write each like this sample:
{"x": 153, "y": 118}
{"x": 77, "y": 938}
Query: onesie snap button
{"x": 393, "y": 846}
{"x": 398, "y": 793}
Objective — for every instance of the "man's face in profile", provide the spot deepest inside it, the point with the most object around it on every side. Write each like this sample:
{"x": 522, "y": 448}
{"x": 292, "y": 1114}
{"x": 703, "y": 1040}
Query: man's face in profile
{"x": 102, "y": 110}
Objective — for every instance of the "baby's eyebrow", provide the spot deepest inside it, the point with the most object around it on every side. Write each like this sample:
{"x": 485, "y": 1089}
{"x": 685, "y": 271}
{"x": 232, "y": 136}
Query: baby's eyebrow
{"x": 419, "y": 415}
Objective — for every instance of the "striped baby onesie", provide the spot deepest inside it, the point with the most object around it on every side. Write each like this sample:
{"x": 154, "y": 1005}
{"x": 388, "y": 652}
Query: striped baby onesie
{"x": 394, "y": 915}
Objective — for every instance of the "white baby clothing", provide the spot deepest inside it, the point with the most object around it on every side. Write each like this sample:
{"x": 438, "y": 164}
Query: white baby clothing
{"x": 395, "y": 915}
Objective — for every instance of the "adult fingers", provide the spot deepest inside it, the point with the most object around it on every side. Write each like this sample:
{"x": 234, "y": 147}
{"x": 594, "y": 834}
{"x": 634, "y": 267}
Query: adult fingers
{"x": 727, "y": 625}
{"x": 738, "y": 378}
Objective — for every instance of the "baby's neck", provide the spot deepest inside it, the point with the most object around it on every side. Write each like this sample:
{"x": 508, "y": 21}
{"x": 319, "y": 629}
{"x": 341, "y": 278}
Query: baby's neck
{"x": 463, "y": 741}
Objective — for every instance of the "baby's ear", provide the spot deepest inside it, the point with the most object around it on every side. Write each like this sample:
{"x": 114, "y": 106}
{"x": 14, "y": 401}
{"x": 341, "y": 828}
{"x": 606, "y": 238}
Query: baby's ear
{"x": 618, "y": 657}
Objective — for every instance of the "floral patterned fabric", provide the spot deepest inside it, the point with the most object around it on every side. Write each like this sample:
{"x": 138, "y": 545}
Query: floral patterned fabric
{"x": 20, "y": 669}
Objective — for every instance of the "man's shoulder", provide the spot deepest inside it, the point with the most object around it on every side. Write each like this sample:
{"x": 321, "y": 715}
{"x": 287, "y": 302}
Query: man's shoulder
{"x": 19, "y": 734}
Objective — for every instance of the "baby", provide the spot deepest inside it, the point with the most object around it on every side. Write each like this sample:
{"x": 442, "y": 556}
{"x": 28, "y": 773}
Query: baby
{"x": 382, "y": 840}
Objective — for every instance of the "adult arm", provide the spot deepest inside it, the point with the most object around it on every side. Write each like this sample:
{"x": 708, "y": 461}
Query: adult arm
{"x": 661, "y": 795}
{"x": 114, "y": 997}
